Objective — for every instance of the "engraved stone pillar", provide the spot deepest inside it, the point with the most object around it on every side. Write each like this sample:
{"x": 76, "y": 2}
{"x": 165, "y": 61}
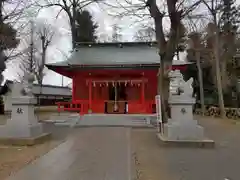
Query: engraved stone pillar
{"x": 23, "y": 127}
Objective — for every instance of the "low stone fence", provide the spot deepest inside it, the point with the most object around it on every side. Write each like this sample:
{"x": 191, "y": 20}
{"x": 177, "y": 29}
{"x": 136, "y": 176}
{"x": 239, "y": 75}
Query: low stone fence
{"x": 231, "y": 113}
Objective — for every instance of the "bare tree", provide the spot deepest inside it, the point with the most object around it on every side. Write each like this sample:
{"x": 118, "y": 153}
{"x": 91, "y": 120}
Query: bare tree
{"x": 116, "y": 35}
{"x": 34, "y": 57}
{"x": 12, "y": 15}
{"x": 214, "y": 34}
{"x": 168, "y": 42}
{"x": 145, "y": 33}
{"x": 104, "y": 37}
{"x": 45, "y": 33}
{"x": 16, "y": 13}
{"x": 71, "y": 8}
{"x": 177, "y": 10}
{"x": 8, "y": 34}
{"x": 195, "y": 43}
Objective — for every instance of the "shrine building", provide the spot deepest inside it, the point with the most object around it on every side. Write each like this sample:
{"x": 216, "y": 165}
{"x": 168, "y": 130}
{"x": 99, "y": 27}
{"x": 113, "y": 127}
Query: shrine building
{"x": 113, "y": 77}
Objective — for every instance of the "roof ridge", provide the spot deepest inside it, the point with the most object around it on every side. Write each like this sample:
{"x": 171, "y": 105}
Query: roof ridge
{"x": 118, "y": 44}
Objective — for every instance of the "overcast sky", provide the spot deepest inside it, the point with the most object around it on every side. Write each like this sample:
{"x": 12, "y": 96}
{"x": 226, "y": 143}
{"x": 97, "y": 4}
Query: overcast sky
{"x": 61, "y": 47}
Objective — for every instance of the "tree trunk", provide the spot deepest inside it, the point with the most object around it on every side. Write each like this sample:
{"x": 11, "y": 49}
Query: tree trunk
{"x": 218, "y": 76}
{"x": 162, "y": 91}
{"x": 73, "y": 24}
{"x": 200, "y": 79}
{"x": 73, "y": 32}
{"x": 167, "y": 48}
{"x": 163, "y": 87}
{"x": 224, "y": 75}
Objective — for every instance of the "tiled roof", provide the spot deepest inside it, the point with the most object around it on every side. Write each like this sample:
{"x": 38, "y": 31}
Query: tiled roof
{"x": 128, "y": 53}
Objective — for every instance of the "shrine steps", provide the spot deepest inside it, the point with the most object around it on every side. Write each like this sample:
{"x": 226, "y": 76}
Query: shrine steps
{"x": 114, "y": 120}
{"x": 124, "y": 120}
{"x": 64, "y": 119}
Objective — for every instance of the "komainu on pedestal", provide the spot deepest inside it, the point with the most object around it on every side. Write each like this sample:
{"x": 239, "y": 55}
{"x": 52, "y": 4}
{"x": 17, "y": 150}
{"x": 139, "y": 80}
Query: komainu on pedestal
{"x": 182, "y": 128}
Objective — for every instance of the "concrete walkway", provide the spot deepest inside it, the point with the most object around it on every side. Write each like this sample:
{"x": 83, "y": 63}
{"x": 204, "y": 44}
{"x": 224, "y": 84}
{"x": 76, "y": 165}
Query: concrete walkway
{"x": 156, "y": 162}
{"x": 89, "y": 154}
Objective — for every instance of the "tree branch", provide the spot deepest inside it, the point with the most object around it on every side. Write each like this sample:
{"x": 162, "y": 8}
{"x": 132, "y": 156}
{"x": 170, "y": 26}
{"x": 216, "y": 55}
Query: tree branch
{"x": 191, "y": 8}
{"x": 158, "y": 21}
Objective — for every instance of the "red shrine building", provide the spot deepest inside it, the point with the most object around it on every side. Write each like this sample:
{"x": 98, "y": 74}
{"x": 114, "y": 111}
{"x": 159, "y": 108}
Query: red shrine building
{"x": 113, "y": 77}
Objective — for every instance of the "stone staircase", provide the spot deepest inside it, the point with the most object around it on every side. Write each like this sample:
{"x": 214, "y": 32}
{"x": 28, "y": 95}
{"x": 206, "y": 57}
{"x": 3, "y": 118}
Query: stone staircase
{"x": 74, "y": 120}
{"x": 114, "y": 120}
{"x": 64, "y": 119}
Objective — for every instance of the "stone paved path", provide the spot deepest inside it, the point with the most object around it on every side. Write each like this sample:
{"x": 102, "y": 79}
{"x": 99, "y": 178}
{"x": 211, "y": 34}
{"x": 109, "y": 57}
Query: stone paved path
{"x": 89, "y": 154}
{"x": 156, "y": 162}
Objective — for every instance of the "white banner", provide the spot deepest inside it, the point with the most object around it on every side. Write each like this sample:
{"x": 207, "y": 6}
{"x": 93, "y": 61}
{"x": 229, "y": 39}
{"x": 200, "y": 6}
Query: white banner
{"x": 158, "y": 108}
{"x": 159, "y": 113}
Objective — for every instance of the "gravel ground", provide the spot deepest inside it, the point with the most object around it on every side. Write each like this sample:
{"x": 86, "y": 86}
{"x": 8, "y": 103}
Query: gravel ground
{"x": 154, "y": 162}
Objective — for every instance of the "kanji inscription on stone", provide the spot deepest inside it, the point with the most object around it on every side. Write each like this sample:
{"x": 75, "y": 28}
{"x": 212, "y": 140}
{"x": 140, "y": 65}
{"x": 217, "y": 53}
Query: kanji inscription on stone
{"x": 19, "y": 110}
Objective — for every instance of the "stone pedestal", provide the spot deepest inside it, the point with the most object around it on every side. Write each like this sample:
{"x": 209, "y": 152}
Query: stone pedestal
{"x": 23, "y": 127}
{"x": 182, "y": 129}
{"x": 182, "y": 126}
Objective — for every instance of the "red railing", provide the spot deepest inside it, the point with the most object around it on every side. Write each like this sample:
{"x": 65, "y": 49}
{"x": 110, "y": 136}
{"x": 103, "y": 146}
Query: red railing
{"x": 77, "y": 106}
{"x": 135, "y": 107}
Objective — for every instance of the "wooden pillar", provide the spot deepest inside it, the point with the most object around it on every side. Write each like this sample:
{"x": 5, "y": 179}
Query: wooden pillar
{"x": 143, "y": 93}
{"x": 143, "y": 97}
{"x": 73, "y": 89}
{"x": 90, "y": 93}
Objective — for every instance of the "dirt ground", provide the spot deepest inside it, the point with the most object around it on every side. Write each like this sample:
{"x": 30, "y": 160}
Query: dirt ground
{"x": 152, "y": 161}
{"x": 148, "y": 160}
{"x": 155, "y": 162}
{"x": 12, "y": 158}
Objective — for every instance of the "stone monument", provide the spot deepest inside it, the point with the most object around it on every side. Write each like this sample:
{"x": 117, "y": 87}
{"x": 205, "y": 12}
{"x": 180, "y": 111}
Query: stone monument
{"x": 23, "y": 128}
{"x": 182, "y": 128}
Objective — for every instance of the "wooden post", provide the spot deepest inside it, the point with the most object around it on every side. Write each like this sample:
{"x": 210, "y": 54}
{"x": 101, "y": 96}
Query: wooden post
{"x": 58, "y": 104}
{"x": 143, "y": 93}
{"x": 143, "y": 97}
{"x": 73, "y": 89}
{"x": 90, "y": 93}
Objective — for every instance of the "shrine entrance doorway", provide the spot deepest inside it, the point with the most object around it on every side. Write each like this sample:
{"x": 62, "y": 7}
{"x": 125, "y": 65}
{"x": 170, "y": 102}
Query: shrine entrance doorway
{"x": 117, "y": 102}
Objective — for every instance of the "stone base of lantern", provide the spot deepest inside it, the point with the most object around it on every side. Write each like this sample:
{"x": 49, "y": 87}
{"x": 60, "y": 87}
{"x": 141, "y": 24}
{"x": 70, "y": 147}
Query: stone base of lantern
{"x": 23, "y": 128}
